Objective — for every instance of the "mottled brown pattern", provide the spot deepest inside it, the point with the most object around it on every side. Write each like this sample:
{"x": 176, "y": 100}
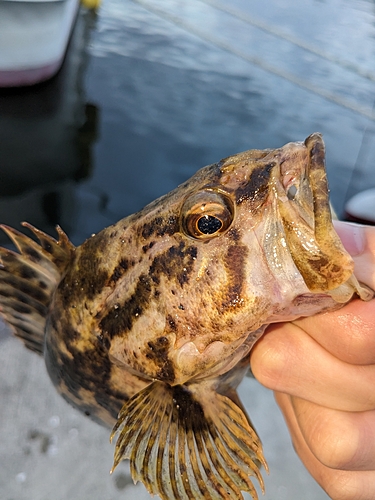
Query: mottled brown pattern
{"x": 175, "y": 264}
{"x": 84, "y": 377}
{"x": 256, "y": 190}
{"x": 120, "y": 270}
{"x": 235, "y": 263}
{"x": 234, "y": 234}
{"x": 147, "y": 247}
{"x": 120, "y": 319}
{"x": 157, "y": 351}
{"x": 89, "y": 278}
{"x": 19, "y": 300}
{"x": 160, "y": 226}
{"x": 24, "y": 286}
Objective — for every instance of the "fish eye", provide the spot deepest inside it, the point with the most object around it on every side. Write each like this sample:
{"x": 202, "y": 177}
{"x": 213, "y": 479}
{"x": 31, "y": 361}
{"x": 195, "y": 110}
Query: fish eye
{"x": 206, "y": 215}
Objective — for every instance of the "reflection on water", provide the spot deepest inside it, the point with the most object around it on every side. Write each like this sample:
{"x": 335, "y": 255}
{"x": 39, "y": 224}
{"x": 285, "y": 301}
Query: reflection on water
{"x": 47, "y": 132}
{"x": 176, "y": 93}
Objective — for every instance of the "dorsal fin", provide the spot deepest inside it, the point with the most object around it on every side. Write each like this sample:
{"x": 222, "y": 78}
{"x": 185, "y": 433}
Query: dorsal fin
{"x": 28, "y": 280}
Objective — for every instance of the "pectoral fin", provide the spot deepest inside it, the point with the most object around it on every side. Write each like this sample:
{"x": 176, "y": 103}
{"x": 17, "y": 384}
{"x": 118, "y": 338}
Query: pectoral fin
{"x": 187, "y": 442}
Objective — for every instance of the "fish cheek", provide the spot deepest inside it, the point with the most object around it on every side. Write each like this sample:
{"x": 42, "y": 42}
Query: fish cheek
{"x": 140, "y": 330}
{"x": 146, "y": 348}
{"x": 235, "y": 264}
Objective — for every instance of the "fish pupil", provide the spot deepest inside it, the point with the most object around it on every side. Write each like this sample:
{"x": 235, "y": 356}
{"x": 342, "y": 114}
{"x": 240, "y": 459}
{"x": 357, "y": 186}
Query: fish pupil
{"x": 208, "y": 224}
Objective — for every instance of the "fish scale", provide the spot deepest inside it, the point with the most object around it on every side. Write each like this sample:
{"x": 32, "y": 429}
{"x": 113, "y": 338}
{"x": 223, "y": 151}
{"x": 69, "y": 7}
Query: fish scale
{"x": 147, "y": 326}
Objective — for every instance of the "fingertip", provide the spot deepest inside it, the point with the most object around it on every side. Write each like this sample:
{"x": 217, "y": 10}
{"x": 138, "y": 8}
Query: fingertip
{"x": 353, "y": 236}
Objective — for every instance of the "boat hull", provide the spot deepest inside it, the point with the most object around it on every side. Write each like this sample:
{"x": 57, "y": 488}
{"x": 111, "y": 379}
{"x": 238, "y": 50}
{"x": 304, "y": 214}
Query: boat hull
{"x": 34, "y": 36}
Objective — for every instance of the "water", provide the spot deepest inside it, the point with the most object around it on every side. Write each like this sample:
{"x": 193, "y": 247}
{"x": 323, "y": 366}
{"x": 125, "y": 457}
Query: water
{"x": 150, "y": 91}
{"x": 147, "y": 97}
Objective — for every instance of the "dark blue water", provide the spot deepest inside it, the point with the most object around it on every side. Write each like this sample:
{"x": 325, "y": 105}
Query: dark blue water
{"x": 152, "y": 91}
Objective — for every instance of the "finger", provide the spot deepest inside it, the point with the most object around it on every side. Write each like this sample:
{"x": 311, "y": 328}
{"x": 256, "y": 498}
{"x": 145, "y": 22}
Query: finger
{"x": 339, "y": 485}
{"x": 348, "y": 333}
{"x": 360, "y": 243}
{"x": 339, "y": 440}
{"x": 286, "y": 359}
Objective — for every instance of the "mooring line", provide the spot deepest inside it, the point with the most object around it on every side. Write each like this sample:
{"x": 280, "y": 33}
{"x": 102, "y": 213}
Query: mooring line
{"x": 304, "y": 84}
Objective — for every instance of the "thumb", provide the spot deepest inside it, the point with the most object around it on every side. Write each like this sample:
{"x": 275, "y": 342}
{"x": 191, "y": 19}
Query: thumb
{"x": 359, "y": 241}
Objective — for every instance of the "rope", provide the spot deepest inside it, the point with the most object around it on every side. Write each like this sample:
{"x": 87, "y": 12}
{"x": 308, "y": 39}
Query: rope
{"x": 271, "y": 30}
{"x": 304, "y": 84}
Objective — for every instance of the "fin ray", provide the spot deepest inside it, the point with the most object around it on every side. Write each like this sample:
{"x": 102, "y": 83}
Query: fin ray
{"x": 219, "y": 466}
{"x": 162, "y": 479}
{"x": 149, "y": 461}
{"x": 172, "y": 439}
{"x": 183, "y": 461}
{"x": 195, "y": 462}
{"x": 27, "y": 281}
{"x": 228, "y": 463}
{"x": 188, "y": 442}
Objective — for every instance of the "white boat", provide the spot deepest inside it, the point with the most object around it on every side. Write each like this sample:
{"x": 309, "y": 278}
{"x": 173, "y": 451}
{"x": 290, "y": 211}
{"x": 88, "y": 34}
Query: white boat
{"x": 34, "y": 36}
{"x": 47, "y": 133}
{"x": 361, "y": 207}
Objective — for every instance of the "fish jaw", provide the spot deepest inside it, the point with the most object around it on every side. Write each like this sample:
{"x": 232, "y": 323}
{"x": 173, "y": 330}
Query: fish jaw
{"x": 288, "y": 203}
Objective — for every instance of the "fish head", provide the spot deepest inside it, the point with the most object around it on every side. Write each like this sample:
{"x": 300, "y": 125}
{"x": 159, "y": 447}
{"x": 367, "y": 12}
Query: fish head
{"x": 245, "y": 242}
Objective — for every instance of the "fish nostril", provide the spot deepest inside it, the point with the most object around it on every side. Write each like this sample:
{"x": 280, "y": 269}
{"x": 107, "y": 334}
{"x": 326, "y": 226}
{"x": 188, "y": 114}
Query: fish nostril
{"x": 291, "y": 192}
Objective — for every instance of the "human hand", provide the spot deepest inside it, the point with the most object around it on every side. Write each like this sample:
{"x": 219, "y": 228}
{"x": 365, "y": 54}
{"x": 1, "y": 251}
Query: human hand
{"x": 322, "y": 370}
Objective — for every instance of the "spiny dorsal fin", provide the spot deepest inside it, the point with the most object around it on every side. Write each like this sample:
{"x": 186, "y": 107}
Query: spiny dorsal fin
{"x": 188, "y": 442}
{"x": 28, "y": 279}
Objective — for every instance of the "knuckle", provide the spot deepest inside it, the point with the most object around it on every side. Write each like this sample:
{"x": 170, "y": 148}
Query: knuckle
{"x": 269, "y": 363}
{"x": 347, "y": 486}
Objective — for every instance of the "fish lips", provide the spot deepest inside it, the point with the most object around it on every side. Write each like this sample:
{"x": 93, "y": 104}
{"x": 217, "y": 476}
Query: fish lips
{"x": 306, "y": 217}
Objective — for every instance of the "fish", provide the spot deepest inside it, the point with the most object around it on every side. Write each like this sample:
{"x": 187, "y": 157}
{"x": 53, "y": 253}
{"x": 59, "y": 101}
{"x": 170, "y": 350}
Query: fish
{"x": 148, "y": 325}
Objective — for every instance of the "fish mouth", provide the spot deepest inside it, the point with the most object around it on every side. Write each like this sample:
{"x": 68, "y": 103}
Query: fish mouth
{"x": 303, "y": 205}
{"x": 303, "y": 182}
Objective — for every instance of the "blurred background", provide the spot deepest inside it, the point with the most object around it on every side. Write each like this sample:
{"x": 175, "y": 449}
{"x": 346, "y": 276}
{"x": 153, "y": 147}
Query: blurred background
{"x": 150, "y": 91}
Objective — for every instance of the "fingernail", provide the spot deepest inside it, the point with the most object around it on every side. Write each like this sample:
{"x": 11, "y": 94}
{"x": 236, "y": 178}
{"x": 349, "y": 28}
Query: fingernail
{"x": 352, "y": 236}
